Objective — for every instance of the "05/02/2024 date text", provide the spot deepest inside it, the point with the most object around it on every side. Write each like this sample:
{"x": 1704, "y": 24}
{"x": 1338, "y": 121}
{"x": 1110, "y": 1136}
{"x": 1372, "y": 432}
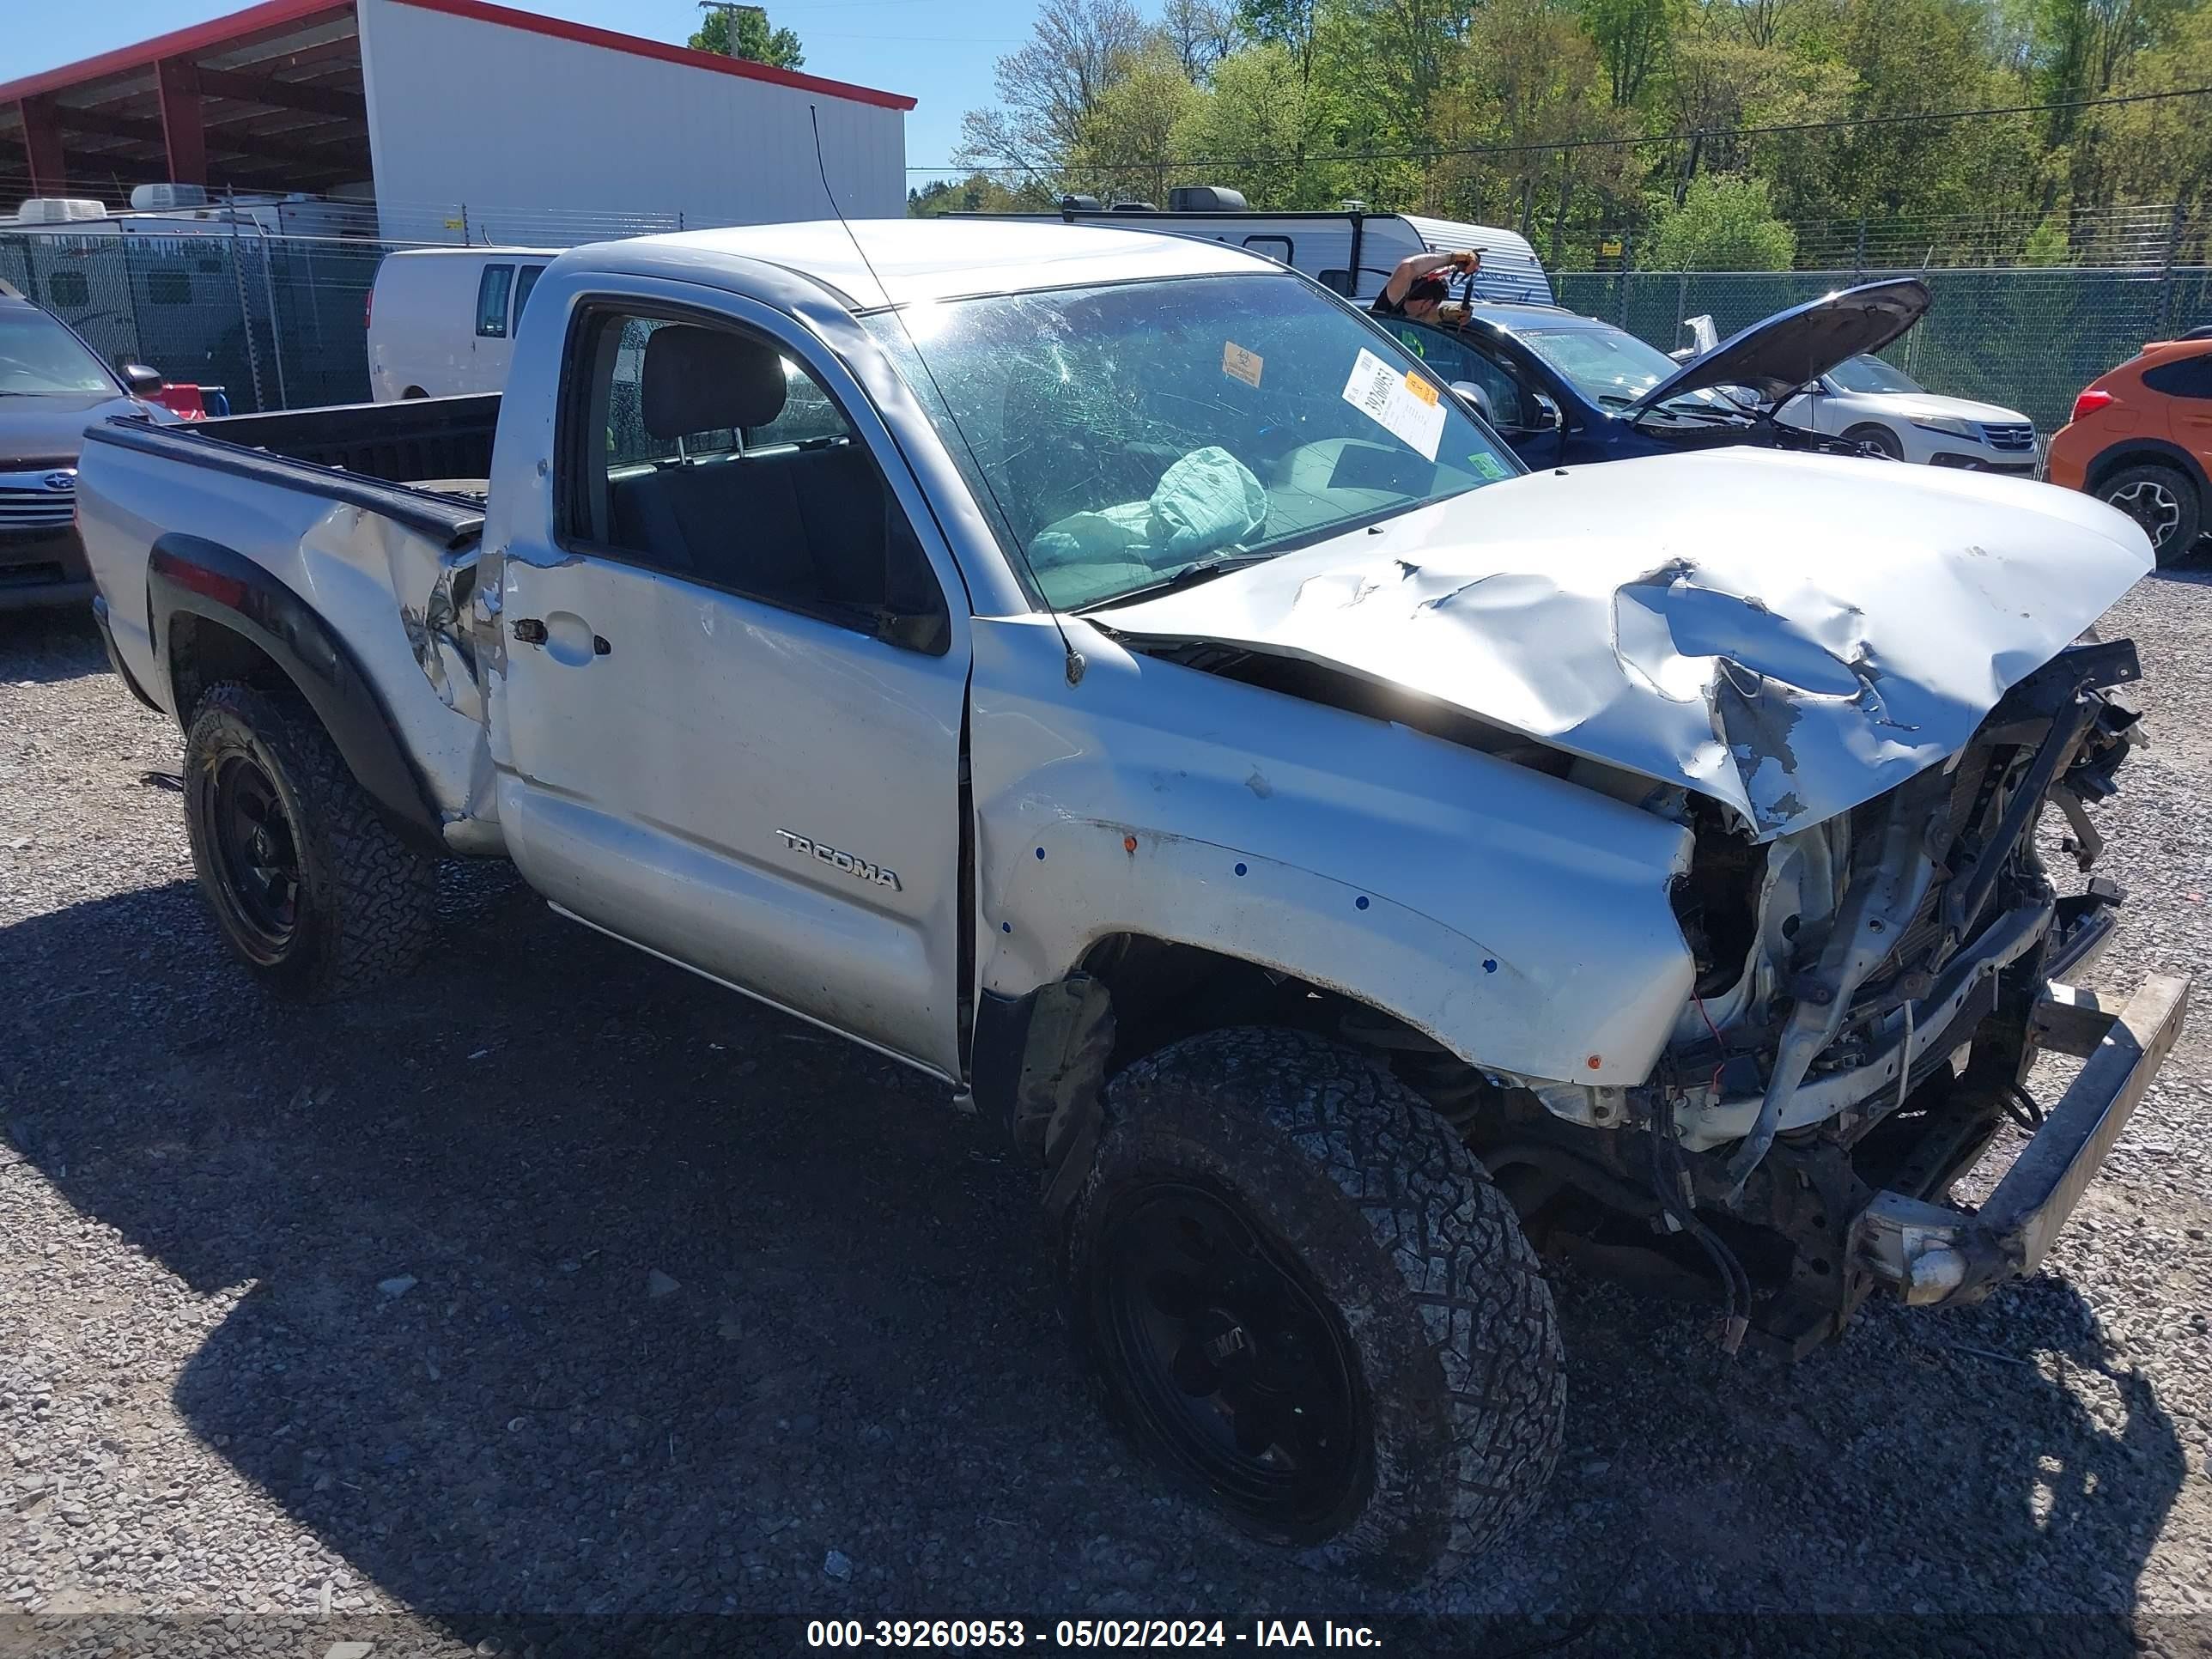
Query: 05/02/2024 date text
{"x": 1069, "y": 1633}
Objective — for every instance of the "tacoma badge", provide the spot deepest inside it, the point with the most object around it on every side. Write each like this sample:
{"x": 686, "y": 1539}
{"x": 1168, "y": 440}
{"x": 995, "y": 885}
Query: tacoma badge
{"x": 845, "y": 861}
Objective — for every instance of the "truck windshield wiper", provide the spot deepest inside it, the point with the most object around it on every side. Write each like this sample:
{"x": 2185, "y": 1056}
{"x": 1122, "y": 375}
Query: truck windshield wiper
{"x": 1189, "y": 576}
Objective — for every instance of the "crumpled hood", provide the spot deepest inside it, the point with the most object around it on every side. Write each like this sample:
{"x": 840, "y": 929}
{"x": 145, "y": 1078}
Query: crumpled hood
{"x": 1789, "y": 634}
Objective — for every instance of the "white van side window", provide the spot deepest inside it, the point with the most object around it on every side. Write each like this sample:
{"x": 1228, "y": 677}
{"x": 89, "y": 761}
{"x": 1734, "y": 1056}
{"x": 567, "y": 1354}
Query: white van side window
{"x": 492, "y": 289}
{"x": 524, "y": 280}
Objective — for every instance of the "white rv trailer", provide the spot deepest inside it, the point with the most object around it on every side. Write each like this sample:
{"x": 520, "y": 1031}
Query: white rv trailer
{"x": 1353, "y": 252}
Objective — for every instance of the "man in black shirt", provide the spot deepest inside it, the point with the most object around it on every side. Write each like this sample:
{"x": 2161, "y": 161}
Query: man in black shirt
{"x": 1418, "y": 288}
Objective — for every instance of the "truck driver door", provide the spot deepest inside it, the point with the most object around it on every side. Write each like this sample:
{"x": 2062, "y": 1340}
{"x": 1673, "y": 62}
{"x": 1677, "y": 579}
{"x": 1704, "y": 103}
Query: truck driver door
{"x": 731, "y": 712}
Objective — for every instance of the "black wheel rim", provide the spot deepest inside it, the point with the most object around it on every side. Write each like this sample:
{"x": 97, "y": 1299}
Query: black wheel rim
{"x": 1225, "y": 1352}
{"x": 256, "y": 855}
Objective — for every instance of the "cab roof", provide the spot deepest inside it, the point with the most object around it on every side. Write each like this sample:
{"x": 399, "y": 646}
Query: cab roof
{"x": 924, "y": 259}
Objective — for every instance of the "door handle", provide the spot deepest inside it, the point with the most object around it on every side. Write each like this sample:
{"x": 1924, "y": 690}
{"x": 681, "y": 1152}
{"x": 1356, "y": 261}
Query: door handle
{"x": 531, "y": 630}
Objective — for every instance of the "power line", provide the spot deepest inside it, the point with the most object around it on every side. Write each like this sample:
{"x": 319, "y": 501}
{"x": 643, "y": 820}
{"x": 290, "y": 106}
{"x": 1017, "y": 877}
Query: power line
{"x": 1439, "y": 152}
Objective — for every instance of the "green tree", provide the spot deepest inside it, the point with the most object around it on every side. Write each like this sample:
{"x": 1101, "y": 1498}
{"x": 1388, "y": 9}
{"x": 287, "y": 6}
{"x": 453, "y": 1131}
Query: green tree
{"x": 1725, "y": 223}
{"x": 2161, "y": 151}
{"x": 748, "y": 36}
{"x": 1631, "y": 37}
{"x": 1528, "y": 77}
{"x": 1909, "y": 57}
{"x": 1254, "y": 129}
{"x": 1200, "y": 34}
{"x": 1716, "y": 83}
{"x": 977, "y": 193}
{"x": 1046, "y": 90}
{"x": 1293, "y": 25}
{"x": 1129, "y": 136}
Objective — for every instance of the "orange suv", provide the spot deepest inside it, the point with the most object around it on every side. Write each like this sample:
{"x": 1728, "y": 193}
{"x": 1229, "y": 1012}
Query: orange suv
{"x": 2141, "y": 438}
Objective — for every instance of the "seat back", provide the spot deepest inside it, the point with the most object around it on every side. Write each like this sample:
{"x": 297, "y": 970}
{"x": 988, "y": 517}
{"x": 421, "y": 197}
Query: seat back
{"x": 796, "y": 525}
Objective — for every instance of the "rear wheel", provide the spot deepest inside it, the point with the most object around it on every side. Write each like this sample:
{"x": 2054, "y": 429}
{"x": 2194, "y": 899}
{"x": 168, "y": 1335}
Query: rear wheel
{"x": 2163, "y": 500}
{"x": 1306, "y": 1301}
{"x": 310, "y": 886}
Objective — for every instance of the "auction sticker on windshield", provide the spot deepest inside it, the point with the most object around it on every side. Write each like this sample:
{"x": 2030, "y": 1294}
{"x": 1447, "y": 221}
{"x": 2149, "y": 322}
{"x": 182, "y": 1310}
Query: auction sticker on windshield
{"x": 1405, "y": 405}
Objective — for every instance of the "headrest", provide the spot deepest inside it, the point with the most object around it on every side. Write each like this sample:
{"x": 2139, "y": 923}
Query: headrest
{"x": 701, "y": 379}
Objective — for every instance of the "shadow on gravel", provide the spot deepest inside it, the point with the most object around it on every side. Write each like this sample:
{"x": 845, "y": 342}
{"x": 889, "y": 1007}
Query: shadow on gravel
{"x": 573, "y": 1284}
{"x": 47, "y": 646}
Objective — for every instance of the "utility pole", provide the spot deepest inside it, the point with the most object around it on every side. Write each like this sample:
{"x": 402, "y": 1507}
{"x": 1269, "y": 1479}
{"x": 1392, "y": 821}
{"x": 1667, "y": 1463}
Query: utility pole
{"x": 728, "y": 7}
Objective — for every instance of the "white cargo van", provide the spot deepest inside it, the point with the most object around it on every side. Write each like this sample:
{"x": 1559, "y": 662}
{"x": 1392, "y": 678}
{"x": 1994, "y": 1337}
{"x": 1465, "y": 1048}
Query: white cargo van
{"x": 441, "y": 319}
{"x": 1352, "y": 250}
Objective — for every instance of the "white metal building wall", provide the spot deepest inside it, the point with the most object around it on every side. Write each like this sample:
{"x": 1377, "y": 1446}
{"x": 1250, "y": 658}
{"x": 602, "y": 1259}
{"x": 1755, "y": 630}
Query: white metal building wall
{"x": 521, "y": 127}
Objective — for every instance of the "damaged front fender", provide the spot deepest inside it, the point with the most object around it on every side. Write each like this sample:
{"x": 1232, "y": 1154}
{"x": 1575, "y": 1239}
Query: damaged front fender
{"x": 1519, "y": 919}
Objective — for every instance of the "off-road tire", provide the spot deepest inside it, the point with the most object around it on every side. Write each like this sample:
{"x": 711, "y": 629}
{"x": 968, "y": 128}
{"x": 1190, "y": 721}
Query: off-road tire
{"x": 2178, "y": 488}
{"x": 1879, "y": 438}
{"x": 366, "y": 901}
{"x": 1419, "y": 1261}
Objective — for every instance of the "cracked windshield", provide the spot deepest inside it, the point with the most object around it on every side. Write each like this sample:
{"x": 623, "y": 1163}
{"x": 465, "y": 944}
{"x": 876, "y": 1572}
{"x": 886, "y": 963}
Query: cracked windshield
{"x": 1147, "y": 435}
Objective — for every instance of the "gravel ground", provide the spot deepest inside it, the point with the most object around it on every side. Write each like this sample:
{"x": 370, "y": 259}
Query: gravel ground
{"x": 558, "y": 1282}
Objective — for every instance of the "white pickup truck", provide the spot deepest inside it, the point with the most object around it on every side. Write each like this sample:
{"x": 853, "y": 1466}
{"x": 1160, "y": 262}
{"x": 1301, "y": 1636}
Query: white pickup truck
{"x": 1098, "y": 670}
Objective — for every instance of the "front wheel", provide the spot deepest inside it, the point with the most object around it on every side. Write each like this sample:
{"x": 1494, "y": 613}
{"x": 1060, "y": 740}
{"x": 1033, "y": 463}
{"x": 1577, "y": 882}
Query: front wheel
{"x": 1876, "y": 440}
{"x": 1306, "y": 1299}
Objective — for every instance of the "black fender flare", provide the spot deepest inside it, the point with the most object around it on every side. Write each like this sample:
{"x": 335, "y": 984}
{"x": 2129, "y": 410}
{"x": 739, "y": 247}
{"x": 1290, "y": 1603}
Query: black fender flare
{"x": 189, "y": 576}
{"x": 2146, "y": 451}
{"x": 1037, "y": 1067}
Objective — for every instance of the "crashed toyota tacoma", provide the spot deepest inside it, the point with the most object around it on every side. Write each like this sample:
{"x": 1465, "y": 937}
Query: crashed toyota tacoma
{"x": 1100, "y": 670}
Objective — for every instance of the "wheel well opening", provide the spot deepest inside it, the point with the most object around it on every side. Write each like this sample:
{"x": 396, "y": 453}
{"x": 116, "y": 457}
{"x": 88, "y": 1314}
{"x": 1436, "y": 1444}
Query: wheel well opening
{"x": 1163, "y": 992}
{"x": 204, "y": 653}
{"x": 2115, "y": 461}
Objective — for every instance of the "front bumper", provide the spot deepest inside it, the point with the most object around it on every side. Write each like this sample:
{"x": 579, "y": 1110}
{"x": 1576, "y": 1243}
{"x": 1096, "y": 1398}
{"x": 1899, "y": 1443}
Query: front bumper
{"x": 1929, "y": 1253}
{"x": 42, "y": 568}
{"x": 2020, "y": 466}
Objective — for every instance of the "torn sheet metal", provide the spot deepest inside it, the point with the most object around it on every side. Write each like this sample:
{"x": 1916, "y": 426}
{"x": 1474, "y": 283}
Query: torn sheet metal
{"x": 1789, "y": 634}
{"x": 443, "y": 635}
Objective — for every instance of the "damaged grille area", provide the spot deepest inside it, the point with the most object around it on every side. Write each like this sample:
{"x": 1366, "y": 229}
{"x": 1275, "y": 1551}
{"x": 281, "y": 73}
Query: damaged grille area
{"x": 1976, "y": 794}
{"x": 2056, "y": 736}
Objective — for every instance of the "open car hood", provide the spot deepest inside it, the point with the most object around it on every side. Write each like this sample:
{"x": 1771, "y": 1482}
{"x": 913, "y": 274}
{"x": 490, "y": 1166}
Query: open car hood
{"x": 1788, "y": 634}
{"x": 1775, "y": 357}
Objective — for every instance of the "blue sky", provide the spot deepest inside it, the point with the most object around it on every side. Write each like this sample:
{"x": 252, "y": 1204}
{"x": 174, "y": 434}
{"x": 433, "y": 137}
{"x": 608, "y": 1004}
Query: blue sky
{"x": 938, "y": 54}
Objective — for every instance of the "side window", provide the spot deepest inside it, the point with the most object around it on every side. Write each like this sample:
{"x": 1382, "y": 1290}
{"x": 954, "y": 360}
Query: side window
{"x": 1452, "y": 358}
{"x": 1509, "y": 410}
{"x": 2190, "y": 377}
{"x": 492, "y": 289}
{"x": 524, "y": 280}
{"x": 699, "y": 450}
{"x": 169, "y": 286}
{"x": 68, "y": 290}
{"x": 1274, "y": 247}
{"x": 808, "y": 416}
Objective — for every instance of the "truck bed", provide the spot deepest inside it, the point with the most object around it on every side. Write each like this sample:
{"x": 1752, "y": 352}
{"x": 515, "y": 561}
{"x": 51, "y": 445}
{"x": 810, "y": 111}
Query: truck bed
{"x": 421, "y": 440}
{"x": 345, "y": 539}
{"x": 422, "y": 462}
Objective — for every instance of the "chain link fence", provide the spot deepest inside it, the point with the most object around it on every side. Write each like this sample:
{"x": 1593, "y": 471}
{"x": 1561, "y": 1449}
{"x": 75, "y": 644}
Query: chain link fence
{"x": 2027, "y": 338}
{"x": 276, "y": 322}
